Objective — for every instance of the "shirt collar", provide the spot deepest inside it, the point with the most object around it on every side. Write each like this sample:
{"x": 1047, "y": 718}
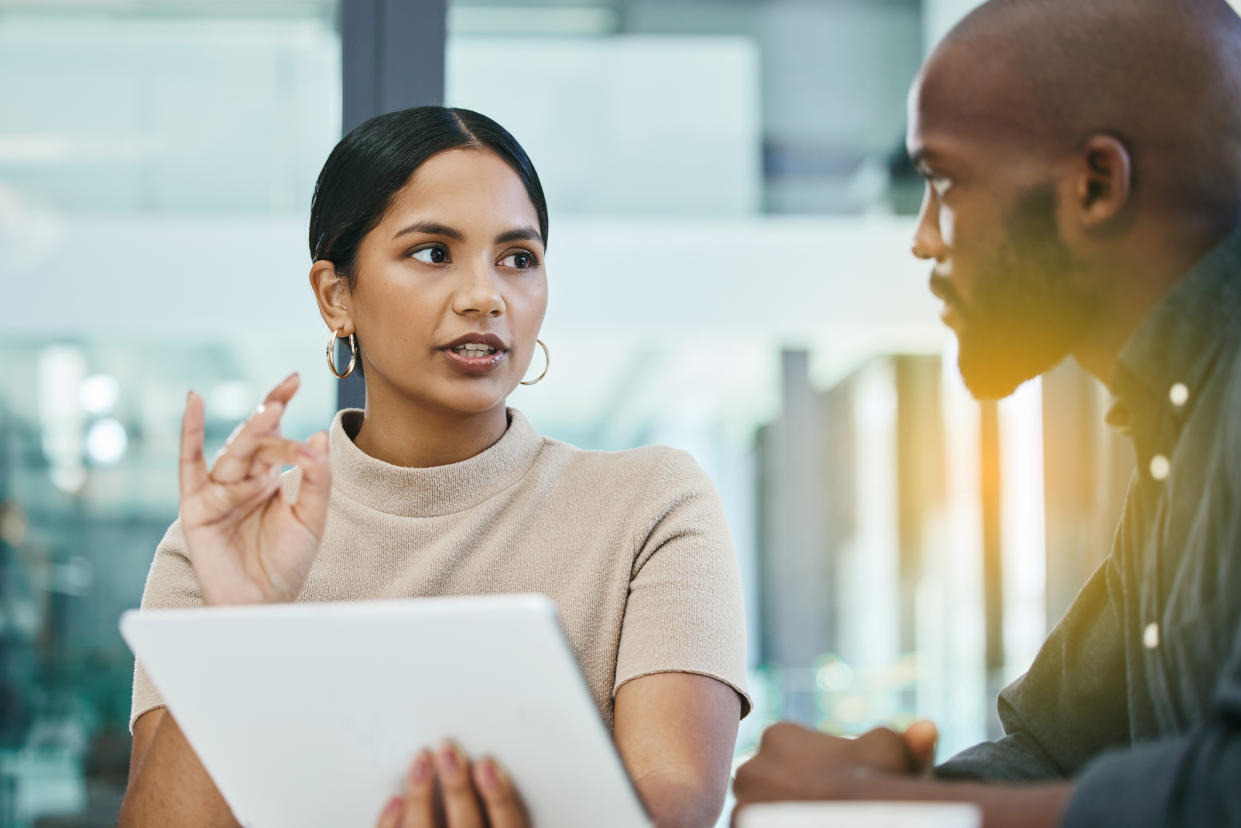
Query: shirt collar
{"x": 435, "y": 491}
{"x": 1174, "y": 348}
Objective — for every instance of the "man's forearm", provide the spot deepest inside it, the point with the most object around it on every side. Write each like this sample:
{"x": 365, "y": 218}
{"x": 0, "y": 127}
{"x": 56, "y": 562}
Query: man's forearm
{"x": 171, "y": 787}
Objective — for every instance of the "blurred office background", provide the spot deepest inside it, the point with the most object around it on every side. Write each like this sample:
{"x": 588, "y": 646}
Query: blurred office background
{"x": 731, "y": 214}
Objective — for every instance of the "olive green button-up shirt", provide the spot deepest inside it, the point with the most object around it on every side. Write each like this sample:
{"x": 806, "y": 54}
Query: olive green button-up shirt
{"x": 1136, "y": 694}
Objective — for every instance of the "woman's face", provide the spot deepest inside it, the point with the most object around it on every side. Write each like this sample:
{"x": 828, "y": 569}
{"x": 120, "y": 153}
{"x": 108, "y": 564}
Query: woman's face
{"x": 450, "y": 289}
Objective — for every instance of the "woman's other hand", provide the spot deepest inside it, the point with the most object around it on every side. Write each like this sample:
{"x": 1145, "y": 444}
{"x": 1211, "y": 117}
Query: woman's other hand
{"x": 468, "y": 794}
{"x": 246, "y": 543}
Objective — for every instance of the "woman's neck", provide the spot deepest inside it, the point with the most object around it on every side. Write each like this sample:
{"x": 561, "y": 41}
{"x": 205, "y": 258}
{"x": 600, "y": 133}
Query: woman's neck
{"x": 404, "y": 433}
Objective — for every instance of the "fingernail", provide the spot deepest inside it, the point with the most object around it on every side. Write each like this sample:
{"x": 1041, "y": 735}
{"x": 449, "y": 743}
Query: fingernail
{"x": 262, "y": 407}
{"x": 394, "y": 805}
{"x": 420, "y": 773}
{"x": 449, "y": 760}
{"x": 289, "y": 377}
{"x": 310, "y": 454}
{"x": 491, "y": 775}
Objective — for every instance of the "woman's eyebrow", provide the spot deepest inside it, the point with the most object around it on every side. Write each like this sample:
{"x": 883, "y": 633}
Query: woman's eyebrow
{"x": 519, "y": 234}
{"x": 430, "y": 228}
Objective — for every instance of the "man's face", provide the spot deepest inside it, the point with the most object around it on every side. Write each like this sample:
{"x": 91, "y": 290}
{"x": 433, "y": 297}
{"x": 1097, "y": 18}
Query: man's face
{"x": 1013, "y": 292}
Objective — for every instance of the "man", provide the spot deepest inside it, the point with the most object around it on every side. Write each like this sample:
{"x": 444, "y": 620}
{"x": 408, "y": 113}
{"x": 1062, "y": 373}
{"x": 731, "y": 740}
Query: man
{"x": 1083, "y": 162}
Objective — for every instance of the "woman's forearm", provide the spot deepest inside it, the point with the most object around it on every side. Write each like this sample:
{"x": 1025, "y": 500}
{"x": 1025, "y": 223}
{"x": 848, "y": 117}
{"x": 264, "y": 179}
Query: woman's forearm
{"x": 676, "y": 800}
{"x": 171, "y": 787}
{"x": 675, "y": 733}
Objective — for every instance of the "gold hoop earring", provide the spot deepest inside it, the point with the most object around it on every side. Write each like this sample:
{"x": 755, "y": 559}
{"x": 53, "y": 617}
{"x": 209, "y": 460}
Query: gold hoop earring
{"x": 331, "y": 355}
{"x": 547, "y": 358}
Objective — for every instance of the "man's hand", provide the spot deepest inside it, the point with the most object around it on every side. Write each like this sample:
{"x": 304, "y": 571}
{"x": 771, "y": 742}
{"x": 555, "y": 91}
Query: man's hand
{"x": 796, "y": 763}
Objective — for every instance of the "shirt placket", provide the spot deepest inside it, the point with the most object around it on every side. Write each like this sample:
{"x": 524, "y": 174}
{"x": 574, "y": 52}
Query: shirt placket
{"x": 1155, "y": 457}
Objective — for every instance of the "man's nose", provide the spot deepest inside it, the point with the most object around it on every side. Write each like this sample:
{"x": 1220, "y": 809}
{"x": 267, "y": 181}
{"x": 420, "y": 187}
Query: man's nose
{"x": 928, "y": 242}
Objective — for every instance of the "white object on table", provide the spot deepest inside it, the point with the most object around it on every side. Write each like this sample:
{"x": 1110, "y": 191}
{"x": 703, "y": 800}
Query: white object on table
{"x": 861, "y": 815}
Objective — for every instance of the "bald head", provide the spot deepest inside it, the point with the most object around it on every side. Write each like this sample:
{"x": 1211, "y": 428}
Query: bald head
{"x": 1162, "y": 76}
{"x": 1081, "y": 156}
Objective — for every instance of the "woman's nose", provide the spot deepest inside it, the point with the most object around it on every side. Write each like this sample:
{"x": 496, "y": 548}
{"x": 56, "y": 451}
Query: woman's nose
{"x": 480, "y": 295}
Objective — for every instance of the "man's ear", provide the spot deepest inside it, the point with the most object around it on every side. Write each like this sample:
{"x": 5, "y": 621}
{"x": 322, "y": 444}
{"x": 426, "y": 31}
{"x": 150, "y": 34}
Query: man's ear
{"x": 332, "y": 293}
{"x": 1102, "y": 180}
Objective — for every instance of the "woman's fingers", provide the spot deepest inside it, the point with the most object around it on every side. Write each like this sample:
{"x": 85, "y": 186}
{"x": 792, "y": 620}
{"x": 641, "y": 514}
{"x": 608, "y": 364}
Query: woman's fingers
{"x": 236, "y": 500}
{"x": 461, "y": 806}
{"x": 282, "y": 393}
{"x": 274, "y": 452}
{"x": 193, "y": 468}
{"x": 316, "y": 486}
{"x": 260, "y": 423}
{"x": 418, "y": 810}
{"x": 391, "y": 816}
{"x": 503, "y": 806}
{"x": 235, "y": 460}
{"x": 470, "y": 796}
{"x": 284, "y": 390}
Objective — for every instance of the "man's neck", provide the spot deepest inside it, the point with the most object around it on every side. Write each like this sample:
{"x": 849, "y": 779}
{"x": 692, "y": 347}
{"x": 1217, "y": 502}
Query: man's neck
{"x": 1132, "y": 291}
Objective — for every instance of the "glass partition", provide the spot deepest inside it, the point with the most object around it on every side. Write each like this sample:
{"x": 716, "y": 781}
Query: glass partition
{"x": 156, "y": 165}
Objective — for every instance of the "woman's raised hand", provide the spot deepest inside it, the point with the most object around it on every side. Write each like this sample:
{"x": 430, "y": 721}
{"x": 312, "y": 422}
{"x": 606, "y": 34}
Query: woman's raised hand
{"x": 247, "y": 544}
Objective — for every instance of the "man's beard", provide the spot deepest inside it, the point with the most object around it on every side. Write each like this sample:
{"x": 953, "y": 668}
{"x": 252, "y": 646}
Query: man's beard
{"x": 1029, "y": 307}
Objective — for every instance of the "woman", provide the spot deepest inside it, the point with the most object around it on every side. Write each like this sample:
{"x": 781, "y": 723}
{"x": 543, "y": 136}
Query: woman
{"x": 427, "y": 235}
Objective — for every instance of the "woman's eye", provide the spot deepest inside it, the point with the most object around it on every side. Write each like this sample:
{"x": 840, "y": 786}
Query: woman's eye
{"x": 430, "y": 255}
{"x": 520, "y": 260}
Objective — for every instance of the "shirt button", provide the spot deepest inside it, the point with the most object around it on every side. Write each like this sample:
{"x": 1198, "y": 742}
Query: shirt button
{"x": 1160, "y": 467}
{"x": 1150, "y": 636}
{"x": 1179, "y": 394}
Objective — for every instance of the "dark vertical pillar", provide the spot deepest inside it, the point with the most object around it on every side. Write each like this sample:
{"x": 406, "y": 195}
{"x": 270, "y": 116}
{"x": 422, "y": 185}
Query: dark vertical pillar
{"x": 392, "y": 57}
{"x": 795, "y": 565}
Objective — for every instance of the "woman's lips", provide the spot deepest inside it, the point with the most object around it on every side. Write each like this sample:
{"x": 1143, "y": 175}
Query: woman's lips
{"x": 476, "y": 365}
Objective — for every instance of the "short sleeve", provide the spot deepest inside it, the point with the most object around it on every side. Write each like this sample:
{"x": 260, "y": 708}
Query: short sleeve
{"x": 170, "y": 585}
{"x": 684, "y": 612}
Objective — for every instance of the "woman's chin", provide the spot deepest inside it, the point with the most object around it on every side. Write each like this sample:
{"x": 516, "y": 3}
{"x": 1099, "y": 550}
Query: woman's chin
{"x": 477, "y": 400}
{"x": 451, "y": 395}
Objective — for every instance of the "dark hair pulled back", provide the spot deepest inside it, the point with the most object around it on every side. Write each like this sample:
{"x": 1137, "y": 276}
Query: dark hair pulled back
{"x": 377, "y": 158}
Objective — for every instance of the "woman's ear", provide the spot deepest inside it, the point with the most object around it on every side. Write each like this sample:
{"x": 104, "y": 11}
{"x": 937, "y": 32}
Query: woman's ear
{"x": 332, "y": 293}
{"x": 1102, "y": 180}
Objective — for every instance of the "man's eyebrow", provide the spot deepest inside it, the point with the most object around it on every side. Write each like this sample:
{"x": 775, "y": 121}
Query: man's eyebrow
{"x": 520, "y": 234}
{"x": 431, "y": 228}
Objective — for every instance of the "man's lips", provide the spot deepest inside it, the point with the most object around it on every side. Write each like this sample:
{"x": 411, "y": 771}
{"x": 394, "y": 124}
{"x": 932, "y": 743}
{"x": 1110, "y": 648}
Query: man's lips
{"x": 951, "y": 317}
{"x": 952, "y": 313}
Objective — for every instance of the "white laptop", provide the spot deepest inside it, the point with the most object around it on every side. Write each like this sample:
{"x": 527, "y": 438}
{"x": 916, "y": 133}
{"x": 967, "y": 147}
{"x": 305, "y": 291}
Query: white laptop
{"x": 310, "y": 714}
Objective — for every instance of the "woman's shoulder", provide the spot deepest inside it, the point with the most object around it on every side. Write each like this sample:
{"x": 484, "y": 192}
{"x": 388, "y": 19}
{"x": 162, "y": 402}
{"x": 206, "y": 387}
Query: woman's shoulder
{"x": 642, "y": 469}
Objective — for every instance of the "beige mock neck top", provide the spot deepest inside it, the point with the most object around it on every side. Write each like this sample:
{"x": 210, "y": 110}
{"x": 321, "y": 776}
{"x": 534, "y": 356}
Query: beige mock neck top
{"x": 633, "y": 547}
